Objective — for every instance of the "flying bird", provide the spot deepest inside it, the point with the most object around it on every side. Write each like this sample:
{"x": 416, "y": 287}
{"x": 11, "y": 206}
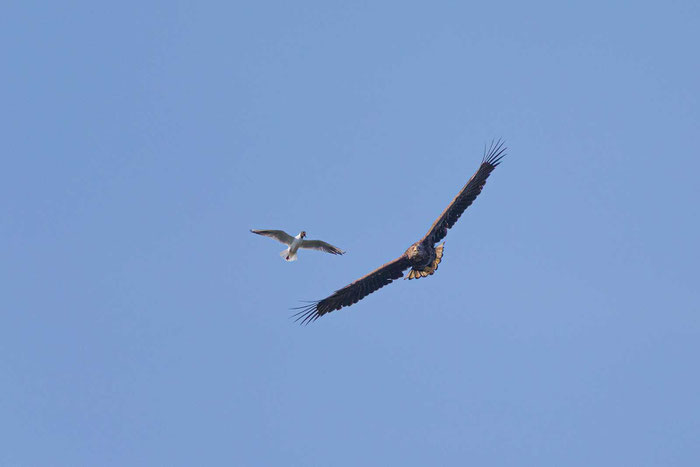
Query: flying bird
{"x": 422, "y": 257}
{"x": 290, "y": 254}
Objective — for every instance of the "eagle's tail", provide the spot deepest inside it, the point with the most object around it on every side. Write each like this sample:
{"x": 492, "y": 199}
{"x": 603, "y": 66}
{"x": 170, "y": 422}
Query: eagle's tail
{"x": 288, "y": 256}
{"x": 431, "y": 268}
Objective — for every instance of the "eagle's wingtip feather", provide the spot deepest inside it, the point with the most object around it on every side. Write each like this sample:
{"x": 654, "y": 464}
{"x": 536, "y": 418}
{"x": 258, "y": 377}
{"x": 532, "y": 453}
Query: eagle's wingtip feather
{"x": 495, "y": 152}
{"x": 307, "y": 314}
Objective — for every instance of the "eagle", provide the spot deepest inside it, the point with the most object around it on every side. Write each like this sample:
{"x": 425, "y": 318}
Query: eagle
{"x": 422, "y": 257}
{"x": 290, "y": 254}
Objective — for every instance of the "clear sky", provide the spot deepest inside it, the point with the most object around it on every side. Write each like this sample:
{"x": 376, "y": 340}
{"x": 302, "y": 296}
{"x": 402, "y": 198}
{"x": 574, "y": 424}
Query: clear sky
{"x": 141, "y": 323}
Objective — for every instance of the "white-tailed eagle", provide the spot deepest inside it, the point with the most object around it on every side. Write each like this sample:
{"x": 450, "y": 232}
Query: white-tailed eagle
{"x": 422, "y": 257}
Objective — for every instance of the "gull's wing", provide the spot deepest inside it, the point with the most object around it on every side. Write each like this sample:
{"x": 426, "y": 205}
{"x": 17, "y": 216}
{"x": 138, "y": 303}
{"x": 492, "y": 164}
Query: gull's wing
{"x": 279, "y": 235}
{"x": 356, "y": 291}
{"x": 322, "y": 246}
{"x": 492, "y": 157}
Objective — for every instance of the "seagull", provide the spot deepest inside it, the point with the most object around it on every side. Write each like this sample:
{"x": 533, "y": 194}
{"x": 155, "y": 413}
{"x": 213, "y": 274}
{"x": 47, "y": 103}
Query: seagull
{"x": 290, "y": 254}
{"x": 422, "y": 257}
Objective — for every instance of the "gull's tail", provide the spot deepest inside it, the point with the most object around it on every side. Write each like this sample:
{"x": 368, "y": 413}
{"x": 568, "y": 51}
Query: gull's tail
{"x": 288, "y": 256}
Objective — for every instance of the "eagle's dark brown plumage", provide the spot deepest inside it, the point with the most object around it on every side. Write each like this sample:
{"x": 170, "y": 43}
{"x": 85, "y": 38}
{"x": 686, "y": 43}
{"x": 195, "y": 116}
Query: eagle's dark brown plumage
{"x": 422, "y": 257}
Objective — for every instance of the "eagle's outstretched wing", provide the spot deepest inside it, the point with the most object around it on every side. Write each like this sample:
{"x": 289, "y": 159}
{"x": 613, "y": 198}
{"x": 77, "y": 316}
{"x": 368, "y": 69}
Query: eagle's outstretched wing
{"x": 279, "y": 235}
{"x": 492, "y": 157}
{"x": 356, "y": 291}
{"x": 321, "y": 246}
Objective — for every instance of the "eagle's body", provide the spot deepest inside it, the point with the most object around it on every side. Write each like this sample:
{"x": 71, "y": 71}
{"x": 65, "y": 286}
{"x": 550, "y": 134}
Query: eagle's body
{"x": 422, "y": 257}
{"x": 420, "y": 254}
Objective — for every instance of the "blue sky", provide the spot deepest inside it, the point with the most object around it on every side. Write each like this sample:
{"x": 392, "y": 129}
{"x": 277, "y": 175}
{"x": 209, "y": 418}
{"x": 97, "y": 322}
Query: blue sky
{"x": 142, "y": 324}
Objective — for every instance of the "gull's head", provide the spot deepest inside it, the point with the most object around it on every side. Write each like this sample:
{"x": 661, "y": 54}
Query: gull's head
{"x": 303, "y": 233}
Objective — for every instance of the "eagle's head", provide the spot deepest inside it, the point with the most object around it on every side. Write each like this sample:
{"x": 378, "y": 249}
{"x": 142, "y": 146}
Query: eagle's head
{"x": 303, "y": 233}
